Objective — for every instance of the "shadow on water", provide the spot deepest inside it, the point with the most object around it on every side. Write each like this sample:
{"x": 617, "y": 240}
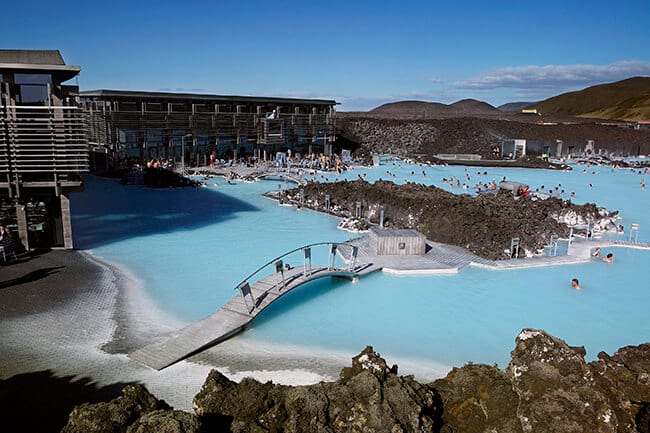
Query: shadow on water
{"x": 299, "y": 296}
{"x": 109, "y": 212}
{"x": 41, "y": 402}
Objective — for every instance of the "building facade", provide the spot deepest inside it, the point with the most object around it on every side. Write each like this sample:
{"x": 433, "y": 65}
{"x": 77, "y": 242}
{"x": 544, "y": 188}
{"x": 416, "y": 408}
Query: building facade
{"x": 150, "y": 125}
{"x": 43, "y": 146}
{"x": 50, "y": 133}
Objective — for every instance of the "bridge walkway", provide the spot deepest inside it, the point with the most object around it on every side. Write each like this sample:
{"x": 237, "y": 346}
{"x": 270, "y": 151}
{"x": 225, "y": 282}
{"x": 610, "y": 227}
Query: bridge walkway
{"x": 237, "y": 313}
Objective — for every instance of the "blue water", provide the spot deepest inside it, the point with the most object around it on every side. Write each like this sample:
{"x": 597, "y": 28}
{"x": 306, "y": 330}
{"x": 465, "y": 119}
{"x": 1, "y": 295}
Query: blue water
{"x": 191, "y": 247}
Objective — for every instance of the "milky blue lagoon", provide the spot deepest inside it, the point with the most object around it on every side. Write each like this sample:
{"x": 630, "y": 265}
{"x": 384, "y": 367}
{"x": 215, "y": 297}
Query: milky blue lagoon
{"x": 191, "y": 247}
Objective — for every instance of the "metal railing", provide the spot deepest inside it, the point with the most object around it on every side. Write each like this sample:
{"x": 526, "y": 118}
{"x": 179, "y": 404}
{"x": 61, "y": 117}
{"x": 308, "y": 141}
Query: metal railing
{"x": 277, "y": 262}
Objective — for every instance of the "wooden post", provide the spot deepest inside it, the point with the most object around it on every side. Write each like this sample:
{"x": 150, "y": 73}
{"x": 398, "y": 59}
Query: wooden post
{"x": 66, "y": 221}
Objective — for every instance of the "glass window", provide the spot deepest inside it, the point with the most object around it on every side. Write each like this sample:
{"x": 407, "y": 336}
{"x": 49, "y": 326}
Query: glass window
{"x": 1, "y": 78}
{"x": 154, "y": 137}
{"x": 32, "y": 94}
{"x": 127, "y": 137}
{"x": 32, "y": 79}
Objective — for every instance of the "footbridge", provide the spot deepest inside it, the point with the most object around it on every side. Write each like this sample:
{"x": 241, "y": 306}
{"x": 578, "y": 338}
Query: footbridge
{"x": 254, "y": 293}
{"x": 282, "y": 174}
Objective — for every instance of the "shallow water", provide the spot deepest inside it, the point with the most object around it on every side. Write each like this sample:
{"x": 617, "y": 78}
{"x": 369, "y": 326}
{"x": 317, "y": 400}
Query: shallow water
{"x": 190, "y": 248}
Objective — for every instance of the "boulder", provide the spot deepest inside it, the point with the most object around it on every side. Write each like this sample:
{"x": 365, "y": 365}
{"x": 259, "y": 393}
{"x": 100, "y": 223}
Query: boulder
{"x": 557, "y": 390}
{"x": 116, "y": 415}
{"x": 477, "y": 399}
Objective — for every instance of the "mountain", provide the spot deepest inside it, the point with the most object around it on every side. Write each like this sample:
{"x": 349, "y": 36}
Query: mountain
{"x": 472, "y": 106}
{"x": 623, "y": 100}
{"x": 515, "y": 107}
{"x": 465, "y": 107}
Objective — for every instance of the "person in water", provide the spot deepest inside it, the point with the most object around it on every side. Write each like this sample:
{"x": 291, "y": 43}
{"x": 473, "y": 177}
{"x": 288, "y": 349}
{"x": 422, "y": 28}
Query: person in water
{"x": 609, "y": 258}
{"x": 596, "y": 253}
{"x": 576, "y": 284}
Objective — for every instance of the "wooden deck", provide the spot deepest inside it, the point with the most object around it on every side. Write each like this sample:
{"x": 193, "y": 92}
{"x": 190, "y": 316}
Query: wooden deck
{"x": 236, "y": 314}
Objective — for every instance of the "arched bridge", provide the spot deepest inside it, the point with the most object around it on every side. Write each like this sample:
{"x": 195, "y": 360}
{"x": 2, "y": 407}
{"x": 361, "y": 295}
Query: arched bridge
{"x": 256, "y": 292}
{"x": 288, "y": 175}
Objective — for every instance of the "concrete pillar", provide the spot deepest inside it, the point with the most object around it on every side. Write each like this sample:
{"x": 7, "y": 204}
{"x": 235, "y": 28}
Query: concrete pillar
{"x": 66, "y": 221}
{"x": 21, "y": 221}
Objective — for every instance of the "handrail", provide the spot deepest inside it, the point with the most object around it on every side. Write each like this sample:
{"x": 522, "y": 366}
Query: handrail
{"x": 284, "y": 255}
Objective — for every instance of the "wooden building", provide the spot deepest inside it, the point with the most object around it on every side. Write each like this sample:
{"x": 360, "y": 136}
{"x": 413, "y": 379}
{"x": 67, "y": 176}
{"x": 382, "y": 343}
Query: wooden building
{"x": 43, "y": 147}
{"x": 397, "y": 242}
{"x": 163, "y": 125}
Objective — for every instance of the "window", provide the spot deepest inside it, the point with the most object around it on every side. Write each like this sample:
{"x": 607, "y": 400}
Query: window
{"x": 32, "y": 79}
{"x": 127, "y": 137}
{"x": 31, "y": 94}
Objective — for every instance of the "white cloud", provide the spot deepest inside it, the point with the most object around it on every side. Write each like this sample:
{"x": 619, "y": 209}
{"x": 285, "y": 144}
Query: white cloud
{"x": 530, "y": 80}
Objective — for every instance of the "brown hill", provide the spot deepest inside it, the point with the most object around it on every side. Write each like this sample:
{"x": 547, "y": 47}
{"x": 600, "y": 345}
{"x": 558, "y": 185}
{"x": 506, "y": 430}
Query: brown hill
{"x": 472, "y": 106}
{"x": 623, "y": 100}
{"x": 410, "y": 109}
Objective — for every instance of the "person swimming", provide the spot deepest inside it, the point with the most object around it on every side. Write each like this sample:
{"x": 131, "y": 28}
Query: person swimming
{"x": 596, "y": 253}
{"x": 609, "y": 258}
{"x": 575, "y": 284}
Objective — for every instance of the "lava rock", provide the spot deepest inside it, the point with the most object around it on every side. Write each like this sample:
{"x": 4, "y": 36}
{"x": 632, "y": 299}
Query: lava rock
{"x": 162, "y": 421}
{"x": 483, "y": 224}
{"x": 477, "y": 399}
{"x": 557, "y": 390}
{"x": 369, "y": 397}
{"x": 116, "y": 415}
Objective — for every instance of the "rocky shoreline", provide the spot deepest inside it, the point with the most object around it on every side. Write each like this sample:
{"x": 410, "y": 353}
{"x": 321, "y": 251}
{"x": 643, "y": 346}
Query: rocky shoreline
{"x": 547, "y": 387}
{"x": 483, "y": 224}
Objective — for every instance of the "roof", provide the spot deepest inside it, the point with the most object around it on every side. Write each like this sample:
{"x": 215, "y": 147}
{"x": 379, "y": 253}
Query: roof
{"x": 109, "y": 94}
{"x": 34, "y": 61}
{"x": 401, "y": 233}
{"x": 32, "y": 57}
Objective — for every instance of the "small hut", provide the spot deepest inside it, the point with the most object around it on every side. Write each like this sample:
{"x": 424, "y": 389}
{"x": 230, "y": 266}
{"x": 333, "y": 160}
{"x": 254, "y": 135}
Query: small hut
{"x": 397, "y": 242}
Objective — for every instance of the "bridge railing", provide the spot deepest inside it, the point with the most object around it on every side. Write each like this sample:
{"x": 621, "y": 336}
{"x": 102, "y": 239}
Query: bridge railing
{"x": 277, "y": 266}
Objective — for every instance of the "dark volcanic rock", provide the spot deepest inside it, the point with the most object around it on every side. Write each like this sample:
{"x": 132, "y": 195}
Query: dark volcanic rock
{"x": 477, "y": 399}
{"x": 557, "y": 389}
{"x": 369, "y": 397}
{"x": 483, "y": 224}
{"x": 427, "y": 137}
{"x": 162, "y": 421}
{"x": 136, "y": 411}
{"x": 548, "y": 387}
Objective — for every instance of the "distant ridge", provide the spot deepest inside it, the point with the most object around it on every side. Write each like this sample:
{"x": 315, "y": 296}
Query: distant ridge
{"x": 472, "y": 106}
{"x": 623, "y": 100}
{"x": 465, "y": 107}
{"x": 515, "y": 107}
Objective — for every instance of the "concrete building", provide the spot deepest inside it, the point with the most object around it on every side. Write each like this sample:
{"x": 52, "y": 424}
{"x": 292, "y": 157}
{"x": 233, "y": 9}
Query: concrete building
{"x": 43, "y": 146}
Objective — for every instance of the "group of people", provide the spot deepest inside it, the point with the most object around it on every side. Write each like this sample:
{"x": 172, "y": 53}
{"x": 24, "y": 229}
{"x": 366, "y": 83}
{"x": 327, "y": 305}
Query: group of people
{"x": 157, "y": 163}
{"x": 609, "y": 258}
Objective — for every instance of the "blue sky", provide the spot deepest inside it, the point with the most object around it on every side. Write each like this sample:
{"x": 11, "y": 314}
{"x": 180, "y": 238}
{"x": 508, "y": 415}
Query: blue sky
{"x": 359, "y": 53}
